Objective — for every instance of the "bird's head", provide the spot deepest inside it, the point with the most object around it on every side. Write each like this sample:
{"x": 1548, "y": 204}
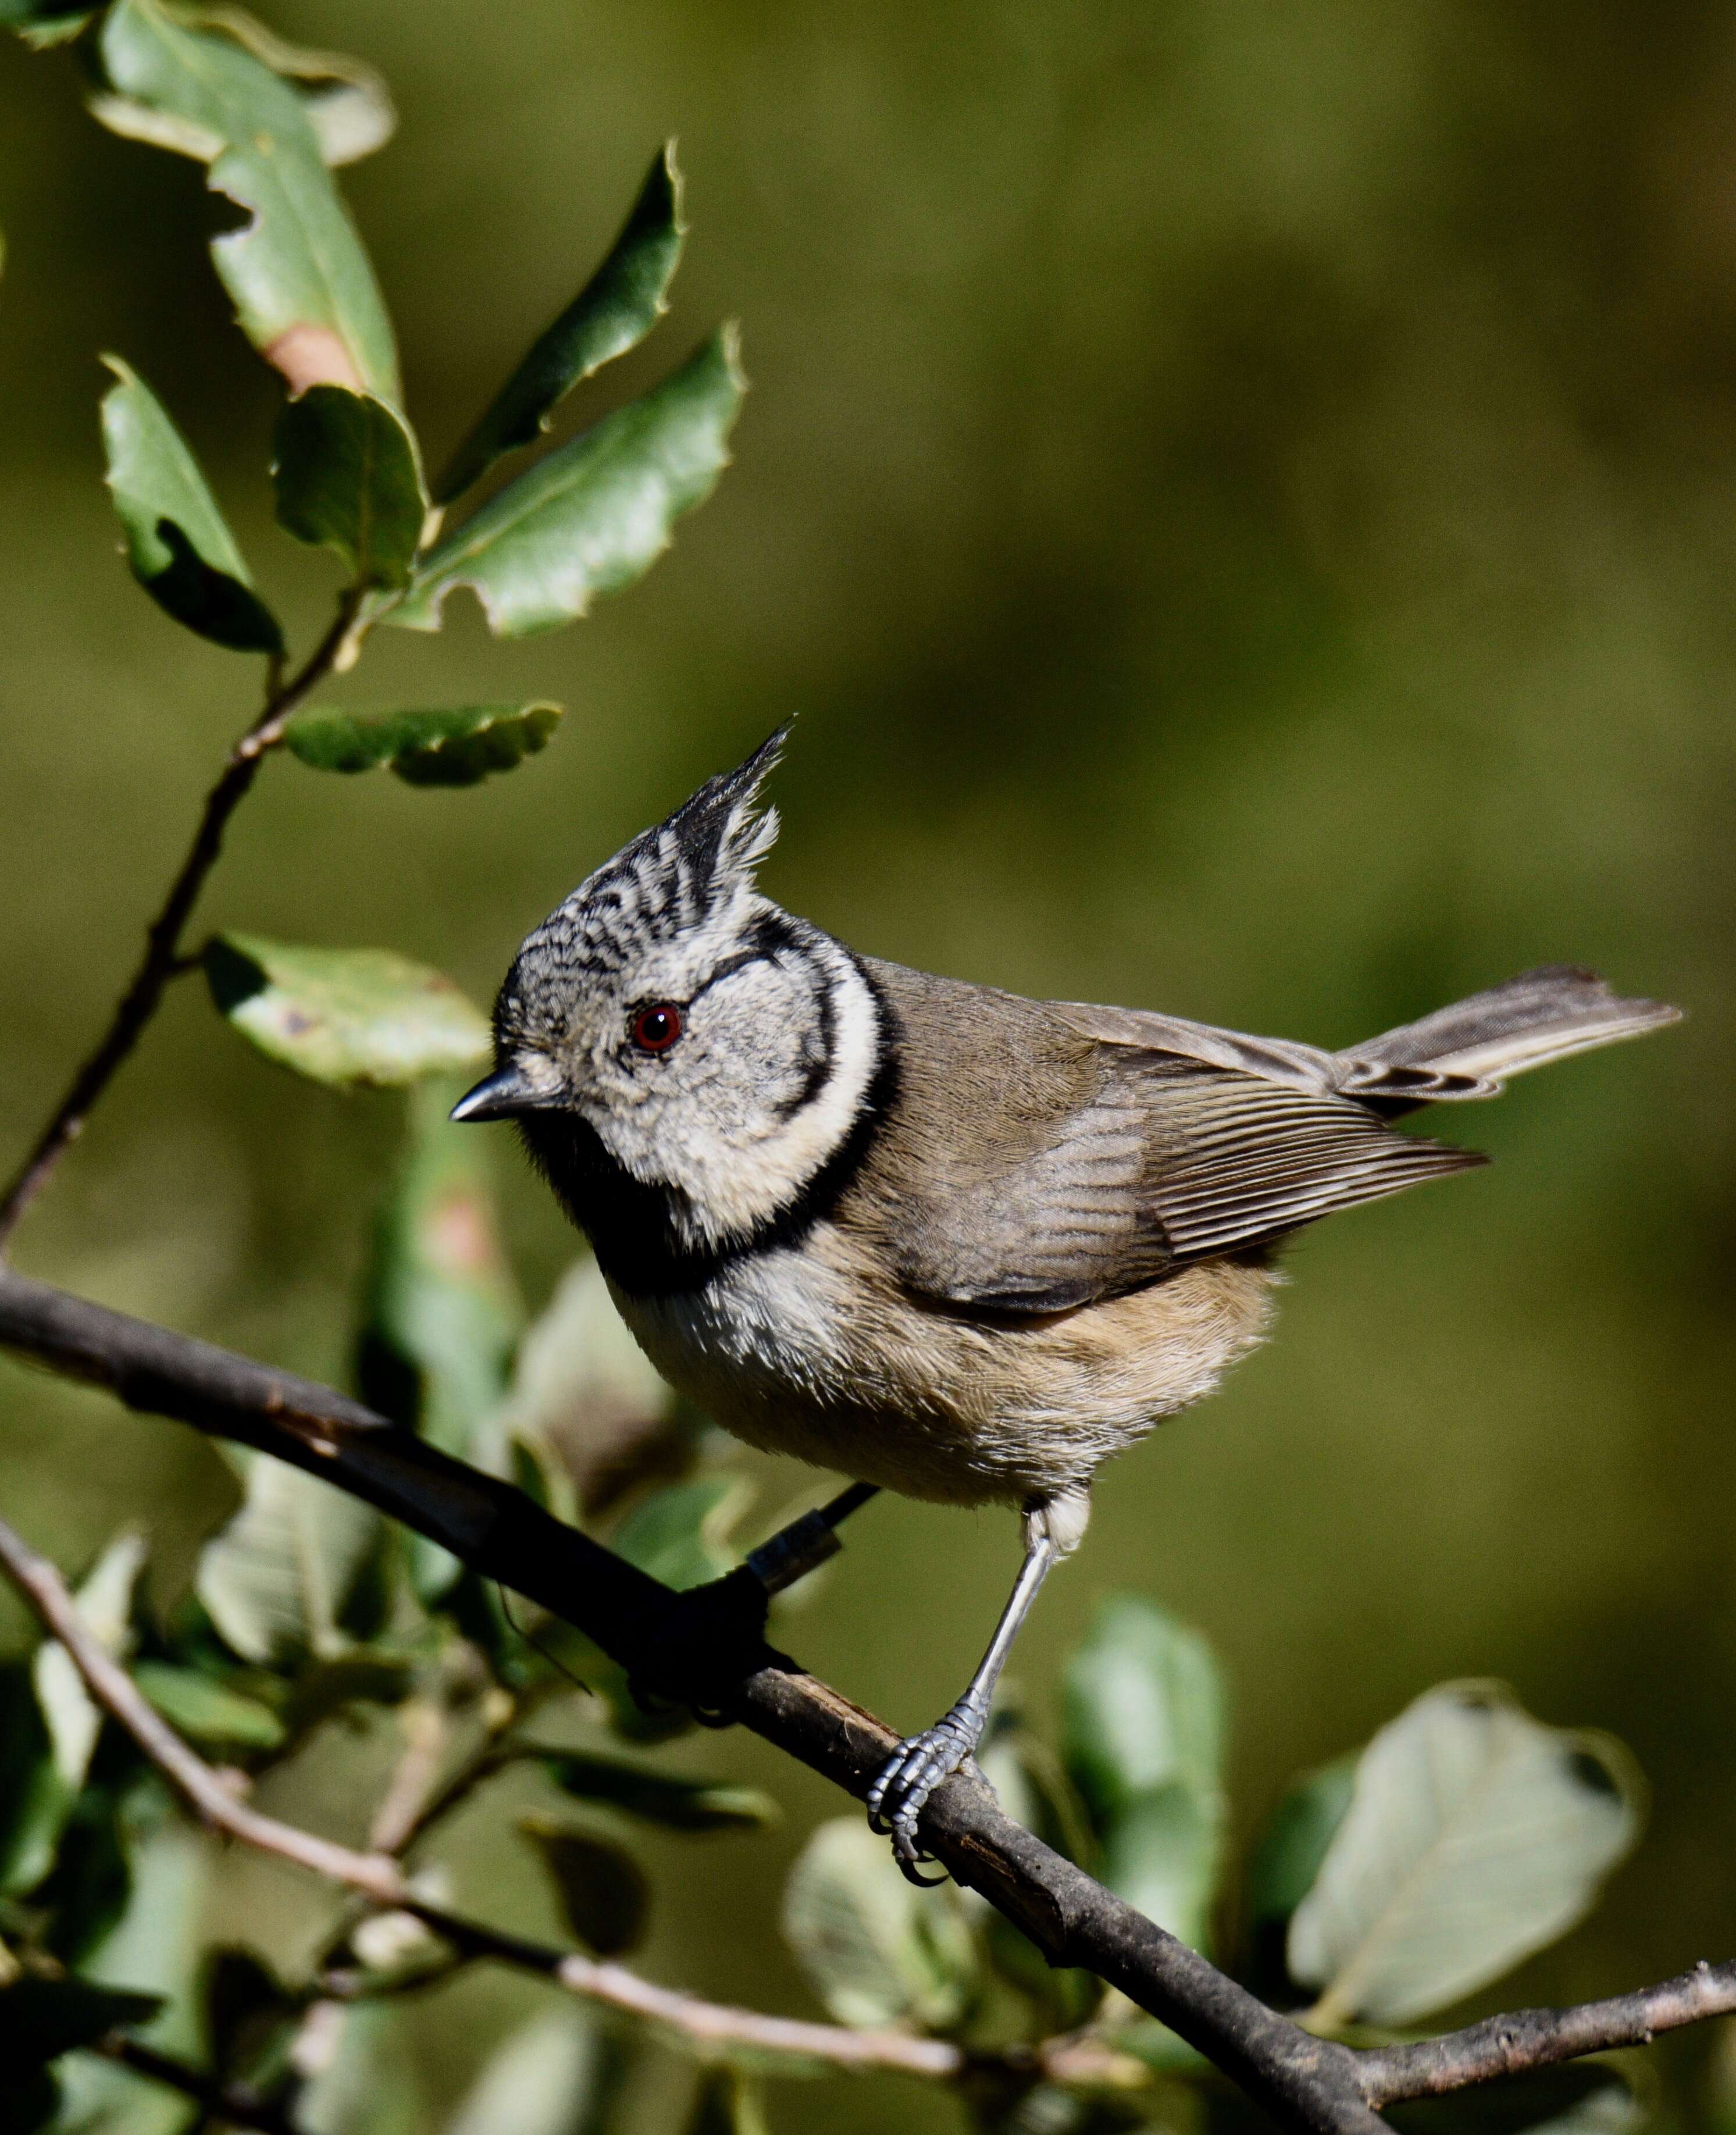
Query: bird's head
{"x": 680, "y": 1054}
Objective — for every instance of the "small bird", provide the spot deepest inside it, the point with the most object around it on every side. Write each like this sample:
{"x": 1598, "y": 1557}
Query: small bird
{"x": 934, "y": 1237}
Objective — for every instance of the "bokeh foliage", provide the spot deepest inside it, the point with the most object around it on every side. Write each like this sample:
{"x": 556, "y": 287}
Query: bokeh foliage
{"x": 1243, "y": 499}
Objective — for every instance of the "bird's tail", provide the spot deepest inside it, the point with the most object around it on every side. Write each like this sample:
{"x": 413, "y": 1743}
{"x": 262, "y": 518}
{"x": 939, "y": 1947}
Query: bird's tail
{"x": 1468, "y": 1050}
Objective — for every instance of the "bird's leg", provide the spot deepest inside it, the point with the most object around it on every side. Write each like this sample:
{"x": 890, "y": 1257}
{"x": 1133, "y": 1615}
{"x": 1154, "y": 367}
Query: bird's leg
{"x": 918, "y": 1764}
{"x": 793, "y": 1551}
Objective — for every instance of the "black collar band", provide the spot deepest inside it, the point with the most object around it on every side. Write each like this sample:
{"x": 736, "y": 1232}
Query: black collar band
{"x": 630, "y": 1225}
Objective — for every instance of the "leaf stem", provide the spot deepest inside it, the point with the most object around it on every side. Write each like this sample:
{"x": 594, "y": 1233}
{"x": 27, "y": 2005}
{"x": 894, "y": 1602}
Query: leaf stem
{"x": 163, "y": 960}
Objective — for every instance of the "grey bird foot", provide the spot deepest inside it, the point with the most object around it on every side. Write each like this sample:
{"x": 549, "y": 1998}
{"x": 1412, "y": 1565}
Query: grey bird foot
{"x": 910, "y": 1774}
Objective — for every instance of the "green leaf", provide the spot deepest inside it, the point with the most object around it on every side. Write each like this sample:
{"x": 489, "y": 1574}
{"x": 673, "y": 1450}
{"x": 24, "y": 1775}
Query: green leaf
{"x": 1291, "y": 1848}
{"x": 348, "y": 478}
{"x": 549, "y": 2078}
{"x": 275, "y": 1580}
{"x": 1162, "y": 1852}
{"x": 365, "y": 2080}
{"x": 41, "y": 2019}
{"x": 582, "y": 1385}
{"x": 1034, "y": 1791}
{"x": 197, "y": 1707}
{"x": 592, "y": 516}
{"x": 304, "y": 289}
{"x": 1143, "y": 1704}
{"x": 663, "y": 1798}
{"x": 343, "y": 1016}
{"x": 602, "y": 1890}
{"x": 876, "y": 1950}
{"x": 617, "y": 309}
{"x": 33, "y": 1799}
{"x": 347, "y": 103}
{"x": 153, "y": 1949}
{"x": 456, "y": 745}
{"x": 443, "y": 1311}
{"x": 678, "y": 1535}
{"x": 1474, "y": 1835}
{"x": 178, "y": 544}
{"x": 41, "y": 23}
{"x": 105, "y": 1606}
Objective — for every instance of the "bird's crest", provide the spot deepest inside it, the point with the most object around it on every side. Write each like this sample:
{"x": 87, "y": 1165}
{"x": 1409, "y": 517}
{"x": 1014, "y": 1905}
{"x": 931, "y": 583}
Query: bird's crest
{"x": 673, "y": 879}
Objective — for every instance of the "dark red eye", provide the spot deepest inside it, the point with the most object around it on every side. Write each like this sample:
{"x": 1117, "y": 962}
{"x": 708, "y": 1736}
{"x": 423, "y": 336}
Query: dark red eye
{"x": 655, "y": 1028}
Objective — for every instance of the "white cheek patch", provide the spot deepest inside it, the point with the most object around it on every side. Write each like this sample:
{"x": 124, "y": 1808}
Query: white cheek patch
{"x": 735, "y": 1174}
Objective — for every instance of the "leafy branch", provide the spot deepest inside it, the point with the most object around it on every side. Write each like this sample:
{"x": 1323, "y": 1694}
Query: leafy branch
{"x": 669, "y": 1641}
{"x": 1070, "y": 1971}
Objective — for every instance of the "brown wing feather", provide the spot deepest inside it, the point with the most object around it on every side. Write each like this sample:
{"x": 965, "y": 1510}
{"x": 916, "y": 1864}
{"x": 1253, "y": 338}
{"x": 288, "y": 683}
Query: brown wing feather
{"x": 1035, "y": 1166}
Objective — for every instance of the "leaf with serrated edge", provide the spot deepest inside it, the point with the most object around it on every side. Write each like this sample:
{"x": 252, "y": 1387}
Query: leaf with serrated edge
{"x": 347, "y": 103}
{"x": 452, "y": 745}
{"x": 876, "y": 1950}
{"x": 347, "y": 478}
{"x": 617, "y": 309}
{"x": 343, "y": 1016}
{"x": 275, "y": 1578}
{"x": 592, "y": 516}
{"x": 302, "y": 285}
{"x": 1475, "y": 1835}
{"x": 178, "y": 544}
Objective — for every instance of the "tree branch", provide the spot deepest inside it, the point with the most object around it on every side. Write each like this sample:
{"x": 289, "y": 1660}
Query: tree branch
{"x": 163, "y": 960}
{"x": 676, "y": 1643}
{"x": 707, "y": 1644}
{"x": 377, "y": 1877}
{"x": 1527, "y": 2039}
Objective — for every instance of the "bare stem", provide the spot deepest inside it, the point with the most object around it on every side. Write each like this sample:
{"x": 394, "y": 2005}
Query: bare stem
{"x": 163, "y": 960}
{"x": 380, "y": 1879}
{"x": 232, "y": 2104}
{"x": 1527, "y": 2039}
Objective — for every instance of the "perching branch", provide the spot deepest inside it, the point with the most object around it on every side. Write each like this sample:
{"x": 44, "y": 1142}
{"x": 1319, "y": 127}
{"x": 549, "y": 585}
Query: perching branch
{"x": 708, "y": 1645}
{"x": 383, "y": 1881}
{"x": 711, "y": 1647}
{"x": 163, "y": 960}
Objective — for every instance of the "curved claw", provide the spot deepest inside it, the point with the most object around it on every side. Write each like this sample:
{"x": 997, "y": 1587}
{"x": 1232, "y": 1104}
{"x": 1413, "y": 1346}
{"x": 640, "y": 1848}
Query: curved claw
{"x": 910, "y": 1775}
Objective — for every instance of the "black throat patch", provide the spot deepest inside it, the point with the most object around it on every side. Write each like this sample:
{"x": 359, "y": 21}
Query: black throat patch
{"x": 633, "y": 1228}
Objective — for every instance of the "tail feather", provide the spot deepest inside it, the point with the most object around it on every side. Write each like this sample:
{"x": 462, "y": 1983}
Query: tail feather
{"x": 1469, "y": 1049}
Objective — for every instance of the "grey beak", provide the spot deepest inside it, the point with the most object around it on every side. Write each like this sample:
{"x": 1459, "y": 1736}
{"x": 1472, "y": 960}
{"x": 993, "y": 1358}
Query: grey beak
{"x": 496, "y": 1096}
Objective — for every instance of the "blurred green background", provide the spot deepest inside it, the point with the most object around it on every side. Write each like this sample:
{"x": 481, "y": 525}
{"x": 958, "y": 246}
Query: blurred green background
{"x": 1244, "y": 500}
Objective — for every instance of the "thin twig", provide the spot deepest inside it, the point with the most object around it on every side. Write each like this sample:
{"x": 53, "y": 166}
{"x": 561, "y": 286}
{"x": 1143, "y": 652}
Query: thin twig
{"x": 711, "y": 1636}
{"x": 163, "y": 960}
{"x": 1527, "y": 2039}
{"x": 702, "y": 2023}
{"x": 235, "y": 2104}
{"x": 41, "y": 1585}
{"x": 1304, "y": 2082}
